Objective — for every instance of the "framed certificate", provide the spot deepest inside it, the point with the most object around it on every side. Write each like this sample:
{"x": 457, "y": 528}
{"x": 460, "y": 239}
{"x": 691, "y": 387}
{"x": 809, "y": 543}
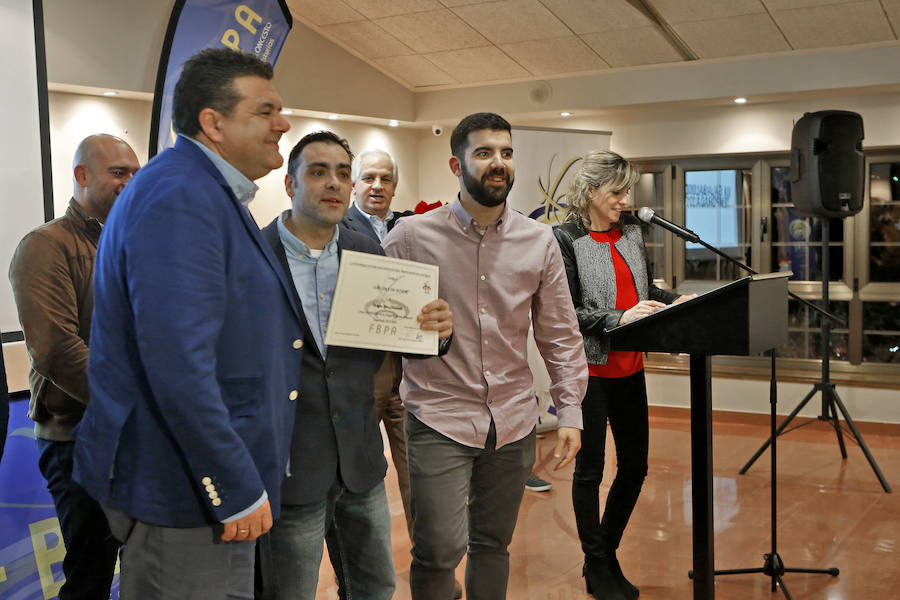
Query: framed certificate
{"x": 376, "y": 302}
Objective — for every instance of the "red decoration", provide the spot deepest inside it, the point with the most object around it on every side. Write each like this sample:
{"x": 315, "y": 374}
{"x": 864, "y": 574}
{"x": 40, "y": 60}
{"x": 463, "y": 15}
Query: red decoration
{"x": 424, "y": 207}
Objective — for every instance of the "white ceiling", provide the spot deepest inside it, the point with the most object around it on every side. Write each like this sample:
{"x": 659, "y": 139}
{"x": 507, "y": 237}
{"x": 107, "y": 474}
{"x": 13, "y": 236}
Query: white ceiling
{"x": 441, "y": 44}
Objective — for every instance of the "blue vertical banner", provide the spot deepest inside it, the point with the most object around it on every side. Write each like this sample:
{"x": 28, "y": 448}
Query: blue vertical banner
{"x": 31, "y": 544}
{"x": 257, "y": 27}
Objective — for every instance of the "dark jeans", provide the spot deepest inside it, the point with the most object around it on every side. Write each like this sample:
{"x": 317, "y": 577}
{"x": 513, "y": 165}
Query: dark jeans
{"x": 359, "y": 547}
{"x": 443, "y": 475}
{"x": 91, "y": 550}
{"x": 623, "y": 402}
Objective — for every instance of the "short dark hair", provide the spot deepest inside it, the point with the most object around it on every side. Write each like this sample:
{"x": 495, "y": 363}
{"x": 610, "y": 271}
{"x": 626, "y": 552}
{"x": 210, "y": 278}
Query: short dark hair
{"x": 317, "y": 136}
{"x": 207, "y": 81}
{"x": 460, "y": 136}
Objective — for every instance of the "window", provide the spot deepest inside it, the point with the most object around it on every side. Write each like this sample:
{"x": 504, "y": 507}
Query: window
{"x": 805, "y": 332}
{"x": 797, "y": 240}
{"x": 717, "y": 208}
{"x": 881, "y": 332}
{"x": 649, "y": 191}
{"x": 742, "y": 205}
{"x": 884, "y": 222}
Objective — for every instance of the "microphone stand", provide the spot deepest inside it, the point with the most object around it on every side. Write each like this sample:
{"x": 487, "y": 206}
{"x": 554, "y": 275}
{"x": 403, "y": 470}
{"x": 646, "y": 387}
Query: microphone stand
{"x": 773, "y": 565}
{"x": 736, "y": 262}
{"x": 690, "y": 236}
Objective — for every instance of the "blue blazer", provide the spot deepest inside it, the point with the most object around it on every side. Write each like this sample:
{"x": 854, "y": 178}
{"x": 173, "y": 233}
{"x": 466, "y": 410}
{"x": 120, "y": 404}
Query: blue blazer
{"x": 336, "y": 430}
{"x": 195, "y": 352}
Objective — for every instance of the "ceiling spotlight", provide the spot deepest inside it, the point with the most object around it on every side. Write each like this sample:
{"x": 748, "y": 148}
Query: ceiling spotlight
{"x": 333, "y": 117}
{"x": 740, "y": 100}
{"x": 565, "y": 114}
{"x": 110, "y": 93}
{"x": 393, "y": 122}
{"x": 287, "y": 111}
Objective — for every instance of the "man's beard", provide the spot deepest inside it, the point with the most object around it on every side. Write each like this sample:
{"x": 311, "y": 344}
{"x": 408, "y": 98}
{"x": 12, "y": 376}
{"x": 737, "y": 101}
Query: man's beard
{"x": 483, "y": 194}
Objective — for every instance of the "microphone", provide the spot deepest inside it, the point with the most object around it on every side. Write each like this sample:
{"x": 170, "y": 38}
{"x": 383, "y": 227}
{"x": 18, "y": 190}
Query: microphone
{"x": 647, "y": 215}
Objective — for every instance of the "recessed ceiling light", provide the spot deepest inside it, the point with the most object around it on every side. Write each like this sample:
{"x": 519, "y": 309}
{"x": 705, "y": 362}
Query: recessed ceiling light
{"x": 333, "y": 117}
{"x": 110, "y": 93}
{"x": 740, "y": 100}
{"x": 565, "y": 114}
{"x": 287, "y": 111}
{"x": 393, "y": 122}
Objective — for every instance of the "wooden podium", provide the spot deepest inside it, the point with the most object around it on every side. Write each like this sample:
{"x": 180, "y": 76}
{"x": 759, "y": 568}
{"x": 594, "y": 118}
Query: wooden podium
{"x": 743, "y": 317}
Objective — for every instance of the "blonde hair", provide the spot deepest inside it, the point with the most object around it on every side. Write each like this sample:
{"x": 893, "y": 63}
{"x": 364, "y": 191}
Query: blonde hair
{"x": 600, "y": 169}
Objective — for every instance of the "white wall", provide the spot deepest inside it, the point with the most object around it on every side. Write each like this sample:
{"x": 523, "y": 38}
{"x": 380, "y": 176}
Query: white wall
{"x": 765, "y": 76}
{"x": 312, "y": 73}
{"x": 116, "y": 45}
{"x": 22, "y": 203}
{"x": 673, "y": 131}
{"x": 75, "y": 116}
{"x": 436, "y": 180}
{"x": 744, "y": 395}
{"x": 731, "y": 129}
{"x": 16, "y": 362}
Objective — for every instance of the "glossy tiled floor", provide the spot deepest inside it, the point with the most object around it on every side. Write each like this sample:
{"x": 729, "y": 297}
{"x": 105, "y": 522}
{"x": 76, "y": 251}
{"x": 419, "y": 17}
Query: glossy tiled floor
{"x": 831, "y": 513}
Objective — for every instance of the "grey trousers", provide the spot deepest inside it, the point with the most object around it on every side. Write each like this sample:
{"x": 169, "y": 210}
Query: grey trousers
{"x": 172, "y": 563}
{"x": 443, "y": 475}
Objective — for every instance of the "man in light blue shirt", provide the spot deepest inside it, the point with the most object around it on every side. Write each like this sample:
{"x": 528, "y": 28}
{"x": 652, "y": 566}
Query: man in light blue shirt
{"x": 336, "y": 480}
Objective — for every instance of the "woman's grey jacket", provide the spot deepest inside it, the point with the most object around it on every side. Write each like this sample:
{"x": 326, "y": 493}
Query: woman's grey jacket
{"x": 592, "y": 280}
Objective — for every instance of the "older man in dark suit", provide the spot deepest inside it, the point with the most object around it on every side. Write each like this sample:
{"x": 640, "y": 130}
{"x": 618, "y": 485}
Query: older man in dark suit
{"x": 375, "y": 177}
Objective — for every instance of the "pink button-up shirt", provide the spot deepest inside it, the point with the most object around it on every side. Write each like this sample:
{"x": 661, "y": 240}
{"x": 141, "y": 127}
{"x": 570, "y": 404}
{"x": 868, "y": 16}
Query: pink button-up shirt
{"x": 496, "y": 284}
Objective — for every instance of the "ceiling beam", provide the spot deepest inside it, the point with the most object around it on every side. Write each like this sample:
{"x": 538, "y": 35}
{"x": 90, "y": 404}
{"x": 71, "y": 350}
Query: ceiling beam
{"x": 649, "y": 11}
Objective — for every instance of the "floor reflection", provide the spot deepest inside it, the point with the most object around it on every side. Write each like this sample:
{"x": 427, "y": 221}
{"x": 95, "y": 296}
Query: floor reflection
{"x": 831, "y": 513}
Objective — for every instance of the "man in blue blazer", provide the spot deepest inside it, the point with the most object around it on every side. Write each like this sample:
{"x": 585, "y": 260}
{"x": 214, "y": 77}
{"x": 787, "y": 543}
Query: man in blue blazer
{"x": 195, "y": 347}
{"x": 336, "y": 484}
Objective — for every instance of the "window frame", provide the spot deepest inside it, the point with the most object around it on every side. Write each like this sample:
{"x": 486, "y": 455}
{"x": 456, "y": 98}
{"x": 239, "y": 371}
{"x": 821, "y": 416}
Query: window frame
{"x": 852, "y": 287}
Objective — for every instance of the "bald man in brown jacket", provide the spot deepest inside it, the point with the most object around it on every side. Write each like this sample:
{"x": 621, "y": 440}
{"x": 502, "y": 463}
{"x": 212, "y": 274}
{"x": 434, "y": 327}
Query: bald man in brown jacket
{"x": 51, "y": 275}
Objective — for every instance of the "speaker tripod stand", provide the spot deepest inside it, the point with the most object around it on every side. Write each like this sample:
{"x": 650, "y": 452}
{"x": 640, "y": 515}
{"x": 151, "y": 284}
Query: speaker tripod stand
{"x": 830, "y": 398}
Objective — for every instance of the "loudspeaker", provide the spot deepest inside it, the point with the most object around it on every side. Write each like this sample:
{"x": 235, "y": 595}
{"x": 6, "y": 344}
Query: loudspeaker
{"x": 827, "y": 164}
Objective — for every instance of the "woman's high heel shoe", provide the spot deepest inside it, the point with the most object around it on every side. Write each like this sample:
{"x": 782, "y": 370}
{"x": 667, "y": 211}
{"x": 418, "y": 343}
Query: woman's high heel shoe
{"x": 631, "y": 592}
{"x": 601, "y": 581}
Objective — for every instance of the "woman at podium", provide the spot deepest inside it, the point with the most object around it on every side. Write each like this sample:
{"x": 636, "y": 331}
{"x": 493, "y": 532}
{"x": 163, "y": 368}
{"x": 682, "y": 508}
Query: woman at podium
{"x": 611, "y": 284}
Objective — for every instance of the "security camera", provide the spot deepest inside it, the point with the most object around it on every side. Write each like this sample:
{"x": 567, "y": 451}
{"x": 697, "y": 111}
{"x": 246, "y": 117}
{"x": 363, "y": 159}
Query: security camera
{"x": 437, "y": 129}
